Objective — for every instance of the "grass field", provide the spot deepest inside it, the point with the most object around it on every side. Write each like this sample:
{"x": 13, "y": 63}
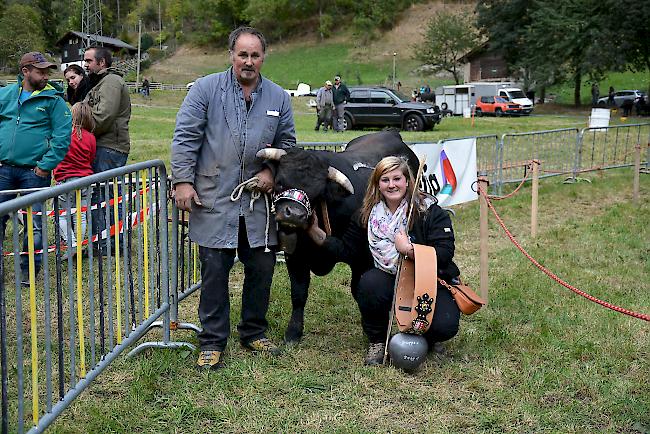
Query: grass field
{"x": 620, "y": 81}
{"x": 311, "y": 63}
{"x": 537, "y": 359}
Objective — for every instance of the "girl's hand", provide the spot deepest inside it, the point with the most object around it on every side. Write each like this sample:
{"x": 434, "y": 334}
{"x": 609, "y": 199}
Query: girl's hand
{"x": 315, "y": 233}
{"x": 402, "y": 242}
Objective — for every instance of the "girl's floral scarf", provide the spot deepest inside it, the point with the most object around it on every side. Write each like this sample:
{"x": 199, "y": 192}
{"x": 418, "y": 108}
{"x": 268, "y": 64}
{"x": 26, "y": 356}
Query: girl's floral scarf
{"x": 382, "y": 228}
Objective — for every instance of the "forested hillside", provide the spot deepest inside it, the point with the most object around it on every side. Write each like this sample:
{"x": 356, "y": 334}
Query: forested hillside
{"x": 545, "y": 43}
{"x": 199, "y": 22}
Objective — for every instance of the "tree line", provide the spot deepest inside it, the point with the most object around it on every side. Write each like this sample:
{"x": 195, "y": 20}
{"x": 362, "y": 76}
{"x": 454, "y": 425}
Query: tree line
{"x": 200, "y": 22}
{"x": 545, "y": 42}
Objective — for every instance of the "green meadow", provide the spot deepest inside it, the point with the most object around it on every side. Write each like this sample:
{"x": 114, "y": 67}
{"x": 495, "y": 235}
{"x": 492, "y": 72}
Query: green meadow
{"x": 537, "y": 358}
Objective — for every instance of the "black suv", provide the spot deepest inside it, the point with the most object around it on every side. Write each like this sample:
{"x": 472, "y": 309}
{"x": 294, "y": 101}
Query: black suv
{"x": 380, "y": 106}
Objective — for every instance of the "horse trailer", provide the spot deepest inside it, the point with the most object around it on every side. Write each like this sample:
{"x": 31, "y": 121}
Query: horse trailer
{"x": 457, "y": 100}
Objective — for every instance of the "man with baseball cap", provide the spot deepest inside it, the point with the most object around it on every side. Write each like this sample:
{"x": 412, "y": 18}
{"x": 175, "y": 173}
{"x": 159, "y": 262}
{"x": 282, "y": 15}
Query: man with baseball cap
{"x": 35, "y": 127}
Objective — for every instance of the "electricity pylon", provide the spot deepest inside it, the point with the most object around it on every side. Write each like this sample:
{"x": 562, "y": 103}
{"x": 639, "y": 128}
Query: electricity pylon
{"x": 91, "y": 22}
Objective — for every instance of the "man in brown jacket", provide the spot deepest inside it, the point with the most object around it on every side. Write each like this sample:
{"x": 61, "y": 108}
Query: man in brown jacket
{"x": 111, "y": 107}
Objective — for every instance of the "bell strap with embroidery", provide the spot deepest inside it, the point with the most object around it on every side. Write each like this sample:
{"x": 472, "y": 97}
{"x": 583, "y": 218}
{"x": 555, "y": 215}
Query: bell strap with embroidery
{"x": 417, "y": 290}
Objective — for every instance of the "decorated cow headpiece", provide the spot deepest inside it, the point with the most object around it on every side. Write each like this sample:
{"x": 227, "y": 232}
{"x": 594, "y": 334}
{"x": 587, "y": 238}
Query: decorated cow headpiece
{"x": 294, "y": 195}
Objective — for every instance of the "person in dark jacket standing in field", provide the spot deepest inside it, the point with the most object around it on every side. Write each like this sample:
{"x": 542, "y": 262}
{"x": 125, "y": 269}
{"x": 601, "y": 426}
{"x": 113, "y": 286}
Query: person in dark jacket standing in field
{"x": 146, "y": 87}
{"x": 111, "y": 107}
{"x": 35, "y": 126}
{"x": 78, "y": 84}
{"x": 595, "y": 93}
{"x": 341, "y": 95}
{"x": 610, "y": 97}
{"x": 225, "y": 119}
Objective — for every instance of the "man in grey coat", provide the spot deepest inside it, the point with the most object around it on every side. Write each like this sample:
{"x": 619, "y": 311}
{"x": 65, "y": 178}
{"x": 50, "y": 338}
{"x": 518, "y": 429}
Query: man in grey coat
{"x": 224, "y": 120}
{"x": 324, "y": 106}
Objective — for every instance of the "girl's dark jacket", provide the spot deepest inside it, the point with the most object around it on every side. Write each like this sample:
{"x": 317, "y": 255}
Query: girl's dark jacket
{"x": 432, "y": 227}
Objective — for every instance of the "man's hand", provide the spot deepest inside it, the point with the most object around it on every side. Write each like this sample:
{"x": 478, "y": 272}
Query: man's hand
{"x": 40, "y": 172}
{"x": 184, "y": 194}
{"x": 265, "y": 182}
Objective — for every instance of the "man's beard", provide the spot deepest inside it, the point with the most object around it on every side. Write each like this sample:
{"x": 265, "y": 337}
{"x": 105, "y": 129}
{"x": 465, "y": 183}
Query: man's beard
{"x": 37, "y": 84}
{"x": 246, "y": 80}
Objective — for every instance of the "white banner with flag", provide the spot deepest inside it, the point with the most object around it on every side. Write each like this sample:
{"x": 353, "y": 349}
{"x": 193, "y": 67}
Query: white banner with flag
{"x": 450, "y": 170}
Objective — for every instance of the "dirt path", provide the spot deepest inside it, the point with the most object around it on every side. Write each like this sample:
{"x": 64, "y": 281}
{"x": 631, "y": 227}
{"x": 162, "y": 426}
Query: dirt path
{"x": 187, "y": 64}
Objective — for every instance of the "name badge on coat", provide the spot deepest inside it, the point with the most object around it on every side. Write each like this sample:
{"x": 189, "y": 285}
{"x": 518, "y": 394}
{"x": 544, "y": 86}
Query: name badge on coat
{"x": 273, "y": 113}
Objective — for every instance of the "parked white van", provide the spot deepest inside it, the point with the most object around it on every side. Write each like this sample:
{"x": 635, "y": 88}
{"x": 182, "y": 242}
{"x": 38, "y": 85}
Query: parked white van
{"x": 506, "y": 90}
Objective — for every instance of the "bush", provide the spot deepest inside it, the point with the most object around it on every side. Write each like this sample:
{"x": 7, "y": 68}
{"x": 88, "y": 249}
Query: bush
{"x": 146, "y": 42}
{"x": 156, "y": 54}
{"x": 326, "y": 25}
{"x": 19, "y": 34}
{"x": 124, "y": 36}
{"x": 144, "y": 64}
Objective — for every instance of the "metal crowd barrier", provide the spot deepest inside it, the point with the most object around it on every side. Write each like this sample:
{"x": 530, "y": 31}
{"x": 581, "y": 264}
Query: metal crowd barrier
{"x": 487, "y": 156}
{"x": 186, "y": 275}
{"x": 157, "y": 86}
{"x": 58, "y": 334}
{"x": 610, "y": 147}
{"x": 553, "y": 148}
{"x": 185, "y": 278}
{"x": 323, "y": 146}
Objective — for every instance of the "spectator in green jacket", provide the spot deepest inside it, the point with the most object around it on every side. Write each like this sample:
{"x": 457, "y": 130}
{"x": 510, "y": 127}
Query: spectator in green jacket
{"x": 35, "y": 127}
{"x": 340, "y": 94}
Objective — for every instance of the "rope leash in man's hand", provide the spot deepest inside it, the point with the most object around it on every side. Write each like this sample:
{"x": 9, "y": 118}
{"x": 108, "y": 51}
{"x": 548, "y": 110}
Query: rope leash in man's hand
{"x": 251, "y": 185}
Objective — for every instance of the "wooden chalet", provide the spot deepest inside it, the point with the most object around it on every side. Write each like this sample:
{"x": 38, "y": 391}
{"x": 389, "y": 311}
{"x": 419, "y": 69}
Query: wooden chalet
{"x": 72, "y": 47}
{"x": 481, "y": 64}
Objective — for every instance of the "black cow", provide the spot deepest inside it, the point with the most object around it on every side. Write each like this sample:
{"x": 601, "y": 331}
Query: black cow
{"x": 337, "y": 178}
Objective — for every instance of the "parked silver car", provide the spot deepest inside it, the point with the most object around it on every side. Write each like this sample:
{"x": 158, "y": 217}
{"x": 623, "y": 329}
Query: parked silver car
{"x": 621, "y": 96}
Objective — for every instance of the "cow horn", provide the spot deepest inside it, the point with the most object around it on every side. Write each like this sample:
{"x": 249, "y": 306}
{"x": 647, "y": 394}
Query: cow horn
{"x": 338, "y": 177}
{"x": 271, "y": 153}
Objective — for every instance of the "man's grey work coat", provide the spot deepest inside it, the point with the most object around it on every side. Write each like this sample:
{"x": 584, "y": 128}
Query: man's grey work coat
{"x": 208, "y": 151}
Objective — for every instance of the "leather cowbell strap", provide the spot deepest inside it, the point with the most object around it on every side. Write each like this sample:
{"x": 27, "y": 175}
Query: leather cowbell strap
{"x": 417, "y": 289}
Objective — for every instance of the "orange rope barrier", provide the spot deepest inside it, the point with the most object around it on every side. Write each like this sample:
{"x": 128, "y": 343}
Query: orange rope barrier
{"x": 523, "y": 181}
{"x": 553, "y": 276}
